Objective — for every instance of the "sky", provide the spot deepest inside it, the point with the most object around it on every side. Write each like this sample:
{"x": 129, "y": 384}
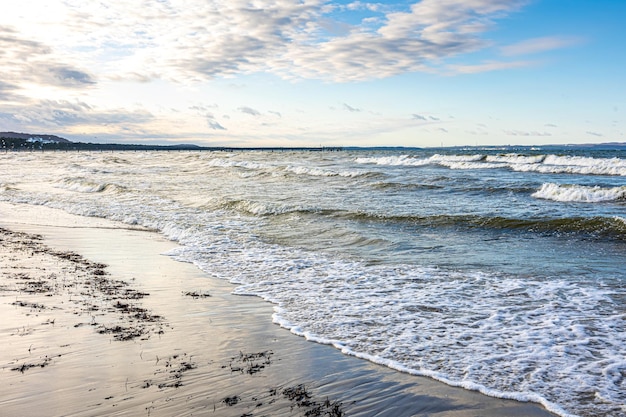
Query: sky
{"x": 314, "y": 72}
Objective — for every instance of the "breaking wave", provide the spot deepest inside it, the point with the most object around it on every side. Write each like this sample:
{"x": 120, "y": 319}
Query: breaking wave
{"x": 83, "y": 185}
{"x": 607, "y": 227}
{"x": 580, "y": 193}
{"x": 553, "y": 164}
{"x": 597, "y": 226}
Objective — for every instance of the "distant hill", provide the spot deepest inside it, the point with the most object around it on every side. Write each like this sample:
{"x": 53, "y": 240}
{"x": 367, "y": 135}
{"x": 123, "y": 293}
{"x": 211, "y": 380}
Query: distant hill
{"x": 606, "y": 145}
{"x": 34, "y": 137}
{"x": 12, "y": 141}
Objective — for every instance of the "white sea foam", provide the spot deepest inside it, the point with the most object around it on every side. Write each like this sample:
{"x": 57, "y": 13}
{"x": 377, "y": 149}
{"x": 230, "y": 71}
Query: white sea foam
{"x": 576, "y": 165}
{"x": 399, "y": 160}
{"x": 478, "y": 332}
{"x": 580, "y": 193}
{"x": 470, "y": 165}
{"x": 318, "y": 172}
{"x": 516, "y": 158}
{"x": 456, "y": 158}
{"x": 259, "y": 208}
{"x": 229, "y": 163}
{"x": 406, "y": 160}
{"x": 274, "y": 169}
{"x": 547, "y": 164}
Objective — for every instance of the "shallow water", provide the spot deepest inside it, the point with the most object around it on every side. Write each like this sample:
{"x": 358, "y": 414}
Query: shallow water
{"x": 495, "y": 270}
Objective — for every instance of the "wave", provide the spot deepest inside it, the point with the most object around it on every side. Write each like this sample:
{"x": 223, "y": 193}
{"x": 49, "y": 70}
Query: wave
{"x": 82, "y": 185}
{"x": 408, "y": 160}
{"x": 605, "y": 227}
{"x": 556, "y": 164}
{"x": 580, "y": 193}
{"x": 516, "y": 158}
{"x": 402, "y": 186}
{"x": 290, "y": 169}
{"x": 398, "y": 186}
{"x": 597, "y": 226}
{"x": 256, "y": 208}
{"x": 318, "y": 172}
{"x": 266, "y": 209}
{"x": 470, "y": 165}
{"x": 402, "y": 160}
{"x": 6, "y": 187}
{"x": 547, "y": 164}
{"x": 116, "y": 160}
{"x": 226, "y": 163}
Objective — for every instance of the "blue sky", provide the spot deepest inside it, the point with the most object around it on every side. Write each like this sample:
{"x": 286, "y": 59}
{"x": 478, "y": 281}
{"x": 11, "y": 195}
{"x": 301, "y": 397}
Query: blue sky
{"x": 315, "y": 72}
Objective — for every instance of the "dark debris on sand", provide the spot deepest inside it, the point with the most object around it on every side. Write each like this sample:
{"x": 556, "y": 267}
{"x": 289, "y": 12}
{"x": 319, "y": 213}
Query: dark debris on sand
{"x": 250, "y": 363}
{"x": 26, "y": 366}
{"x": 86, "y": 290}
{"x": 298, "y": 398}
{"x": 196, "y": 294}
{"x": 171, "y": 374}
{"x": 88, "y": 286}
{"x": 302, "y": 399}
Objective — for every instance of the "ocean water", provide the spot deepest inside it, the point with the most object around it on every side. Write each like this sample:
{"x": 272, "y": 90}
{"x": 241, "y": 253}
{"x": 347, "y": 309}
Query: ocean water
{"x": 498, "y": 270}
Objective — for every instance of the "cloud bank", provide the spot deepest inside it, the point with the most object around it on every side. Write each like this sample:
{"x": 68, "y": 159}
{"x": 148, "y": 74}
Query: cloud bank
{"x": 199, "y": 40}
{"x": 87, "y": 66}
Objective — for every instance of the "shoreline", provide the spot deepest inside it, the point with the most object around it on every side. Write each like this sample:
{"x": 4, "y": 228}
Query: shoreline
{"x": 203, "y": 349}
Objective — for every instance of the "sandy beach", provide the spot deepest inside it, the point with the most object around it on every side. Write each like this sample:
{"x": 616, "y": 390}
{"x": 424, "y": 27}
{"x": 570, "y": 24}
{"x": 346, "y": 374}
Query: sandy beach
{"x": 96, "y": 320}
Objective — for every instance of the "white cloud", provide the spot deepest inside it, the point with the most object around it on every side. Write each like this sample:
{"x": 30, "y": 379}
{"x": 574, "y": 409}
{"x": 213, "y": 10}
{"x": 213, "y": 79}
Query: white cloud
{"x": 68, "y": 77}
{"x": 53, "y": 114}
{"x": 30, "y": 61}
{"x": 489, "y": 66}
{"x": 187, "y": 40}
{"x": 407, "y": 41}
{"x": 214, "y": 125}
{"x": 351, "y": 109}
{"x": 77, "y": 63}
{"x": 249, "y": 110}
{"x": 526, "y": 133}
{"x": 416, "y": 116}
{"x": 359, "y": 5}
{"x": 210, "y": 118}
{"x": 537, "y": 45}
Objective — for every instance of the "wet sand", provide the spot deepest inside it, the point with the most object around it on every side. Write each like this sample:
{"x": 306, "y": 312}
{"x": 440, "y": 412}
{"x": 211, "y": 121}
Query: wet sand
{"x": 95, "y": 320}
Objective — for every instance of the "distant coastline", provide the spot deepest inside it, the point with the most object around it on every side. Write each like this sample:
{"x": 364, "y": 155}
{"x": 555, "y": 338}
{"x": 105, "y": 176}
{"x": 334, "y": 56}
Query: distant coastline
{"x": 12, "y": 141}
{"x": 24, "y": 142}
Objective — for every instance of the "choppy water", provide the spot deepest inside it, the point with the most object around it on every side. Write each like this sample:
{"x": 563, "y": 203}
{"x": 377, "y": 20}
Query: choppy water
{"x": 497, "y": 270}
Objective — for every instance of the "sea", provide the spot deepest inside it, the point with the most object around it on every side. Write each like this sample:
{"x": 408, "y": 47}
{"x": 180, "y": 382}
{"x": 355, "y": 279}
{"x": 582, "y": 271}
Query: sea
{"x": 500, "y": 270}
